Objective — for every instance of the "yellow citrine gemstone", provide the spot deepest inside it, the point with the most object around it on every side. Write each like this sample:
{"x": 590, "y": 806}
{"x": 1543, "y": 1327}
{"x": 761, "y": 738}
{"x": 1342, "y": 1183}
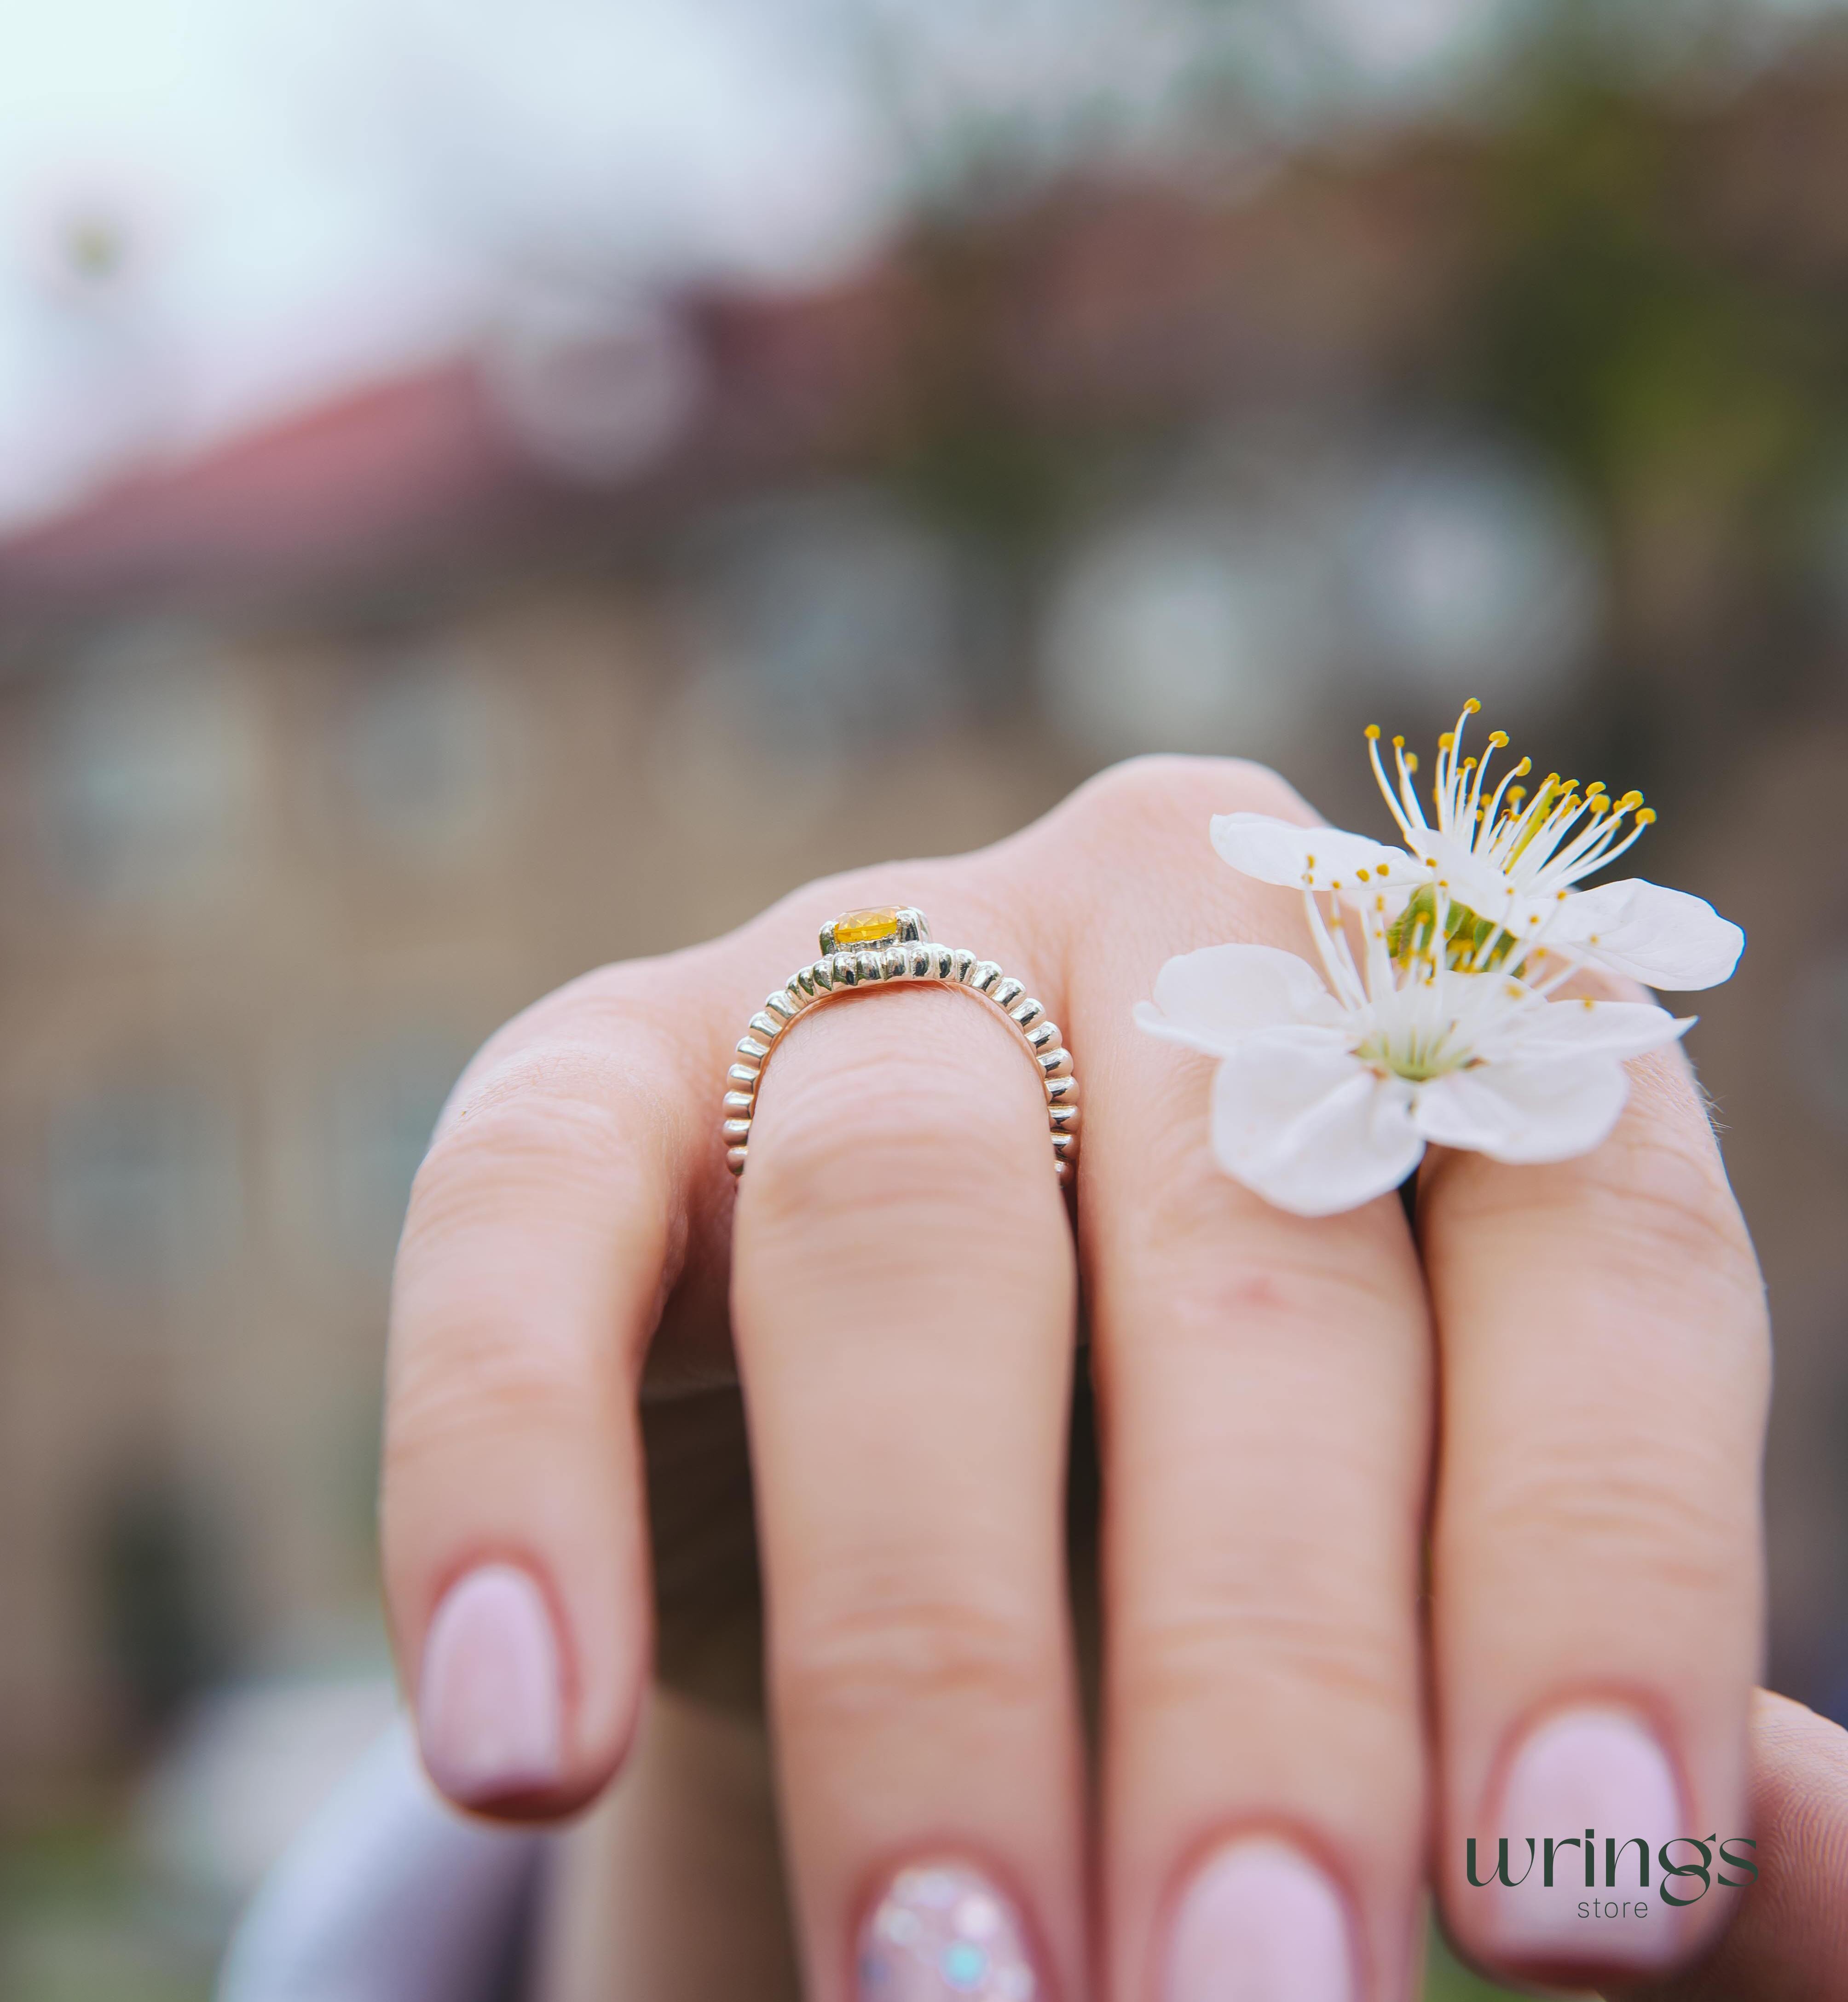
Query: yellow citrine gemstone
{"x": 867, "y": 927}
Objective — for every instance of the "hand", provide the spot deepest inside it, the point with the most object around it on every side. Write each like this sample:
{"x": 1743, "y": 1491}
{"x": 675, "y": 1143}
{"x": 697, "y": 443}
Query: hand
{"x": 897, "y": 1295}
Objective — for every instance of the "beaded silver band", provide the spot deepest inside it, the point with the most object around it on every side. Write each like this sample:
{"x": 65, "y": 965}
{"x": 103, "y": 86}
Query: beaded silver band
{"x": 901, "y": 951}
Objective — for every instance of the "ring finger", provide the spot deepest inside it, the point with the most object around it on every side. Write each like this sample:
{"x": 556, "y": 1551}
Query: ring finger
{"x": 903, "y": 1300}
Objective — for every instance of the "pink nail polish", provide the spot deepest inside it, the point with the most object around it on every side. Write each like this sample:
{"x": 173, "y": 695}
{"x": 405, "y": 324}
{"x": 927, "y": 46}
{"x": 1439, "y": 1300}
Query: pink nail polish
{"x": 1595, "y": 1774}
{"x": 942, "y": 1930}
{"x": 1259, "y": 1923}
{"x": 489, "y": 1706}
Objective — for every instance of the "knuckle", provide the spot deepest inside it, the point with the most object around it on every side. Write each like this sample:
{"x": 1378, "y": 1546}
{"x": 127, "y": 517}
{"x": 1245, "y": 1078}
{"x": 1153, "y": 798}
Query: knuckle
{"x": 1253, "y": 1649}
{"x": 1673, "y": 1200}
{"x": 870, "y": 1656}
{"x": 1305, "y": 1325}
{"x": 1672, "y": 1517}
{"x": 1146, "y": 798}
{"x": 1182, "y": 1244}
{"x": 569, "y": 1120}
{"x": 1300, "y": 1280}
{"x": 1650, "y": 1214}
{"x": 885, "y": 1115}
{"x": 485, "y": 1382}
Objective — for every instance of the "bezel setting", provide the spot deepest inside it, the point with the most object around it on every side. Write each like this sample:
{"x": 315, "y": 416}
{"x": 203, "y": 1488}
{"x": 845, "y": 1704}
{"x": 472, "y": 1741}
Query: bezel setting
{"x": 907, "y": 926}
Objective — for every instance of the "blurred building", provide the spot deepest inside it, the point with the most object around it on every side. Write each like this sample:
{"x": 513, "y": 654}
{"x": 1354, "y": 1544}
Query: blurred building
{"x": 325, "y": 752}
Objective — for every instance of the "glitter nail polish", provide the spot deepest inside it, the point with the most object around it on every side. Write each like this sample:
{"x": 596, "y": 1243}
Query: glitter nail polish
{"x": 942, "y": 1929}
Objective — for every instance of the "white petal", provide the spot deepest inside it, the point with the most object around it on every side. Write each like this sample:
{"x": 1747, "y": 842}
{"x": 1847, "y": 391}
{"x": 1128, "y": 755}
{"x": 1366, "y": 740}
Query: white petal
{"x": 1309, "y": 1127}
{"x": 1214, "y": 998}
{"x": 1470, "y": 881}
{"x": 1581, "y": 1027}
{"x": 1525, "y": 1112}
{"x": 1324, "y": 858}
{"x": 1664, "y": 938}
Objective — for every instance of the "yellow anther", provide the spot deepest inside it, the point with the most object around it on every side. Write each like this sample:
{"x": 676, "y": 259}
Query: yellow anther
{"x": 1630, "y": 800}
{"x": 1499, "y": 739}
{"x": 1522, "y": 768}
{"x": 1645, "y": 817}
{"x": 1448, "y": 738}
{"x": 1398, "y": 743}
{"x": 1362, "y": 874}
{"x": 1373, "y": 732}
{"x": 1411, "y": 761}
{"x": 1472, "y": 707}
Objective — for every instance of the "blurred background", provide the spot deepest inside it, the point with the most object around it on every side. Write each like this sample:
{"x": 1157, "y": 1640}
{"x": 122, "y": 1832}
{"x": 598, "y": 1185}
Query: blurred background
{"x": 484, "y": 490}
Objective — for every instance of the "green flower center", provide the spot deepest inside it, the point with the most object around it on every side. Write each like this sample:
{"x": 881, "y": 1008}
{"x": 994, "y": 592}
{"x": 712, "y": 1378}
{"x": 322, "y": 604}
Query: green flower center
{"x": 1413, "y": 936}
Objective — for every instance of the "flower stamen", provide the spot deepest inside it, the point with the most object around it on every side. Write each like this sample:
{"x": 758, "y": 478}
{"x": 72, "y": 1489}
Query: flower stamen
{"x": 1532, "y": 843}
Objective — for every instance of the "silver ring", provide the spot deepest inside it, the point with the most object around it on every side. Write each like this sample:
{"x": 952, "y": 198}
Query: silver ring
{"x": 889, "y": 943}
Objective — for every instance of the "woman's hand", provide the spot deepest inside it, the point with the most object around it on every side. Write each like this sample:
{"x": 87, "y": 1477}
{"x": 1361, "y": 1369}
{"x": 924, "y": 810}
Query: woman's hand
{"x": 1286, "y": 1717}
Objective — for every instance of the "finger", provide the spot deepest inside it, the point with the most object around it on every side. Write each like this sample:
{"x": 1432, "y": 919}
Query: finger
{"x": 575, "y": 1196}
{"x": 1788, "y": 1897}
{"x": 529, "y": 1281}
{"x": 1598, "y": 1592}
{"x": 903, "y": 1303}
{"x": 1263, "y": 1386}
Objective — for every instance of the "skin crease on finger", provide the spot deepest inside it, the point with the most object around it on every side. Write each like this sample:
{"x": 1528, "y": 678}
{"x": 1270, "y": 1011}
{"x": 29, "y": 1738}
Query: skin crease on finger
{"x": 904, "y": 1304}
{"x": 1640, "y": 1454}
{"x": 1033, "y": 900}
{"x": 1265, "y": 1383}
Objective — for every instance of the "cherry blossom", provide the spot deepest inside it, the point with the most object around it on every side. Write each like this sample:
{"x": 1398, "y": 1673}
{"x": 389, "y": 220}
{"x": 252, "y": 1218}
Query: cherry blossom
{"x": 1507, "y": 855}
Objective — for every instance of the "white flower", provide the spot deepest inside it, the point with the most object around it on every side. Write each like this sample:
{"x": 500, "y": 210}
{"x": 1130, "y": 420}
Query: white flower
{"x": 1512, "y": 858}
{"x": 1327, "y": 1092}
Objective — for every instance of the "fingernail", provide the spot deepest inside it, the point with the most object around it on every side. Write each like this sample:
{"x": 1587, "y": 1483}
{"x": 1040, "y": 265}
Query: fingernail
{"x": 1596, "y": 1775}
{"x": 490, "y": 1709}
{"x": 1259, "y": 1923}
{"x": 942, "y": 1929}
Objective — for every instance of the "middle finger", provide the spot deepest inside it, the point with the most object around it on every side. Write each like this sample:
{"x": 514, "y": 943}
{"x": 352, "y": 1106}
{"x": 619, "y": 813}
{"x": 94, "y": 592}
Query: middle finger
{"x": 1265, "y": 1392}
